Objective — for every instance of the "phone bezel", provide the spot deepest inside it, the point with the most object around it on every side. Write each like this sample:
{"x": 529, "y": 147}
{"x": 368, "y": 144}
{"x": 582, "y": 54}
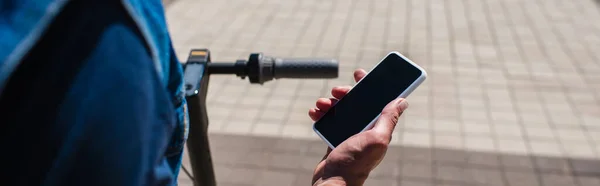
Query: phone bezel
{"x": 404, "y": 94}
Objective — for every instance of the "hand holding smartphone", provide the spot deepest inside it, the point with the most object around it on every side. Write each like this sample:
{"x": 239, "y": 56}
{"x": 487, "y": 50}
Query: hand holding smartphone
{"x": 394, "y": 77}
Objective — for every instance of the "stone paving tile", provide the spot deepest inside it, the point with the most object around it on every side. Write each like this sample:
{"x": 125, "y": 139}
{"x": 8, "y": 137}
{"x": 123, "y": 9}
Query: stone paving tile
{"x": 256, "y": 160}
{"x": 510, "y": 83}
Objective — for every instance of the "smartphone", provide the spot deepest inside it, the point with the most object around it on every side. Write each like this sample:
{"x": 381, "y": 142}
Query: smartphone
{"x": 395, "y": 76}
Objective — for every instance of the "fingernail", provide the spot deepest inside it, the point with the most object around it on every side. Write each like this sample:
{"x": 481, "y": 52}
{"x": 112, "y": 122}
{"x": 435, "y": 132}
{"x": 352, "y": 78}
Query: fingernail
{"x": 403, "y": 105}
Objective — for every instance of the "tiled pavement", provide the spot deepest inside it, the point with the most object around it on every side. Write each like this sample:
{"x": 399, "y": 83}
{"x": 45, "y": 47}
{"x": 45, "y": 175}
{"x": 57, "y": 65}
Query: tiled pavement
{"x": 255, "y": 160}
{"x": 512, "y": 97}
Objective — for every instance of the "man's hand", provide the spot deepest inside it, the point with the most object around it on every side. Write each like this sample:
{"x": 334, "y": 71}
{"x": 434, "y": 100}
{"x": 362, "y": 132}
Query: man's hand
{"x": 351, "y": 162}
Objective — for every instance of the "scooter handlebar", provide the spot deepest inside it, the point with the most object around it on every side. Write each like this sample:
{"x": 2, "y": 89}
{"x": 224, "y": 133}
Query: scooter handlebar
{"x": 260, "y": 69}
{"x": 304, "y": 68}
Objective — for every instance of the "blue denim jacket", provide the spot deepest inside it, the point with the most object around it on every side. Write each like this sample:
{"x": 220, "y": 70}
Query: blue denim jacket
{"x": 22, "y": 23}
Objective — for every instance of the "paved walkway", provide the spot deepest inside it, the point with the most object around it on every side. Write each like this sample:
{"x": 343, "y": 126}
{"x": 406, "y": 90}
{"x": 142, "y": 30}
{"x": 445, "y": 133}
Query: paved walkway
{"x": 512, "y": 97}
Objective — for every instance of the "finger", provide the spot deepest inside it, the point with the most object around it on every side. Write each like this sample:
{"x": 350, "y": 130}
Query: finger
{"x": 324, "y": 104}
{"x": 326, "y": 153}
{"x": 359, "y": 74}
{"x": 389, "y": 117}
{"x": 315, "y": 114}
{"x": 340, "y": 91}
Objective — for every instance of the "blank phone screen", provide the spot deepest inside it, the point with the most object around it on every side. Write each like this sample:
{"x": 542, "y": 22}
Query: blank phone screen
{"x": 367, "y": 99}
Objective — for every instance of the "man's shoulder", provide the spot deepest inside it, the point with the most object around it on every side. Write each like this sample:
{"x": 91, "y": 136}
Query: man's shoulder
{"x": 86, "y": 94}
{"x": 23, "y": 23}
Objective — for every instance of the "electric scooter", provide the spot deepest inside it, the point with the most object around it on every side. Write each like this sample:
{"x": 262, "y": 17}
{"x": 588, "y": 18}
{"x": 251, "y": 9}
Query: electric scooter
{"x": 258, "y": 69}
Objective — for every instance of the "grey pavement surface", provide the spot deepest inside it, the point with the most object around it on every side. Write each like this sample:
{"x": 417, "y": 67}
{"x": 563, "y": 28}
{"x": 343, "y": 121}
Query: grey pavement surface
{"x": 512, "y": 97}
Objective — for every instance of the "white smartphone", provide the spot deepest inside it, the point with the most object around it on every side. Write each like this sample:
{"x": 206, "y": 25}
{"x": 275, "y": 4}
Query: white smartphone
{"x": 395, "y": 76}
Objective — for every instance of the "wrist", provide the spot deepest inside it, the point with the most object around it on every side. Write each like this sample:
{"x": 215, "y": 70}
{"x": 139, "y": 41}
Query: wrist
{"x": 341, "y": 181}
{"x": 331, "y": 181}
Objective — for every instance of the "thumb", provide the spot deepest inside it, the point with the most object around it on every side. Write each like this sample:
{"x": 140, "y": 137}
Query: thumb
{"x": 389, "y": 117}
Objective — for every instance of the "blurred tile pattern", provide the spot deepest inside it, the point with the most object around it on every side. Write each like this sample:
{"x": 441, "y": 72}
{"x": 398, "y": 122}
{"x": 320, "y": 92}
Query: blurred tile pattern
{"x": 258, "y": 160}
{"x": 512, "y": 97}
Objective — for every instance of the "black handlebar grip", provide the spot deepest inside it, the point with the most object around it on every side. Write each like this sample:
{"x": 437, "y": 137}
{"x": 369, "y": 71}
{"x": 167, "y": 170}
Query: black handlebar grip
{"x": 305, "y": 68}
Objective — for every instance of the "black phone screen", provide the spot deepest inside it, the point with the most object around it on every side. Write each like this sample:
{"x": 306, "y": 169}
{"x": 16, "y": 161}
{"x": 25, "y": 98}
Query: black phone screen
{"x": 367, "y": 98}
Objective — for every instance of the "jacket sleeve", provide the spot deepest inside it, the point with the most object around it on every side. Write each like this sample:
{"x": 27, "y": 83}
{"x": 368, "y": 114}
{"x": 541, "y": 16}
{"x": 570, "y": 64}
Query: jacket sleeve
{"x": 121, "y": 118}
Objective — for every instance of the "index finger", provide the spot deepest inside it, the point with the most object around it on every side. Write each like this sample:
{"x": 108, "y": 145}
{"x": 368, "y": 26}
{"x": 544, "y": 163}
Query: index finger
{"x": 359, "y": 74}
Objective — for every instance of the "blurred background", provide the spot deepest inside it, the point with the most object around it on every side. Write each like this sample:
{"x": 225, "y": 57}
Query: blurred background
{"x": 512, "y": 97}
